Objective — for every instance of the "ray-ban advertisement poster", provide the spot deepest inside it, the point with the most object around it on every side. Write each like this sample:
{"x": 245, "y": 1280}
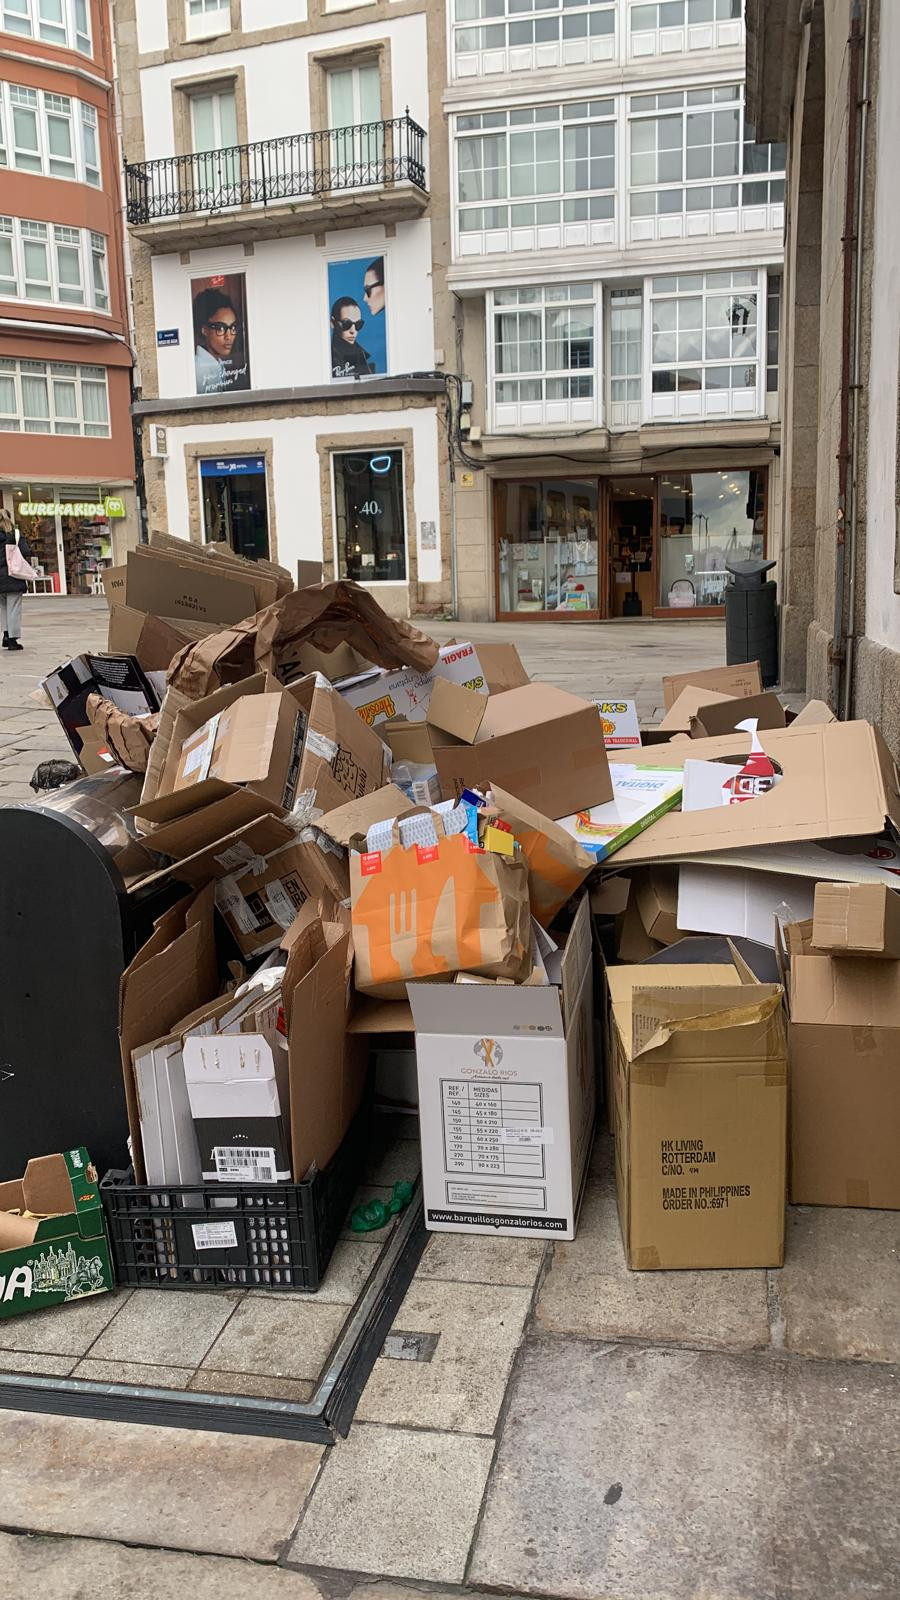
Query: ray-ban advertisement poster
{"x": 219, "y": 308}
{"x": 357, "y": 318}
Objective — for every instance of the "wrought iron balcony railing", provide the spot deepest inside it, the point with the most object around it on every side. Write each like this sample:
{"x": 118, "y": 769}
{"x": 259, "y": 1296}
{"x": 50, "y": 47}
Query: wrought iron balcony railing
{"x": 296, "y": 167}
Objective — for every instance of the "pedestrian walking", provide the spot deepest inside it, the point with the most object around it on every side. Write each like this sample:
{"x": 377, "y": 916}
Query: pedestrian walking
{"x": 12, "y": 588}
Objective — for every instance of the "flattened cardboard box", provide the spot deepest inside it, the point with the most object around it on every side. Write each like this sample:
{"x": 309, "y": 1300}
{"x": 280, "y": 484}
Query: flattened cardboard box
{"x": 700, "y": 1082}
{"x": 168, "y": 587}
{"x": 857, "y": 919}
{"x": 736, "y": 680}
{"x": 838, "y": 780}
{"x": 53, "y": 1244}
{"x": 540, "y": 743}
{"x": 507, "y": 1094}
{"x": 845, "y": 1077}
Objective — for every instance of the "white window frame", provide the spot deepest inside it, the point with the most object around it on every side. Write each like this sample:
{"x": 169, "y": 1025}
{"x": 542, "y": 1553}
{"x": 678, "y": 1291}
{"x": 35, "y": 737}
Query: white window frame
{"x": 705, "y": 404}
{"x": 685, "y": 222}
{"x": 572, "y": 411}
{"x": 624, "y": 414}
{"x": 23, "y": 19}
{"x": 80, "y": 116}
{"x": 206, "y": 19}
{"x": 24, "y": 230}
{"x": 58, "y": 423}
{"x": 774, "y": 303}
{"x": 484, "y": 45}
{"x": 673, "y": 37}
{"x": 549, "y": 229}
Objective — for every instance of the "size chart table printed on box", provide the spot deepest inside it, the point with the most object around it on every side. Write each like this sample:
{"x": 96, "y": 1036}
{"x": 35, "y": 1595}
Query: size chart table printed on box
{"x": 493, "y": 1128}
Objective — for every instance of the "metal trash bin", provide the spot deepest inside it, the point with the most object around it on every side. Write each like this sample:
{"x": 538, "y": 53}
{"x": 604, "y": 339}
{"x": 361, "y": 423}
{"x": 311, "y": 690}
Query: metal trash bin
{"x": 751, "y": 617}
{"x": 68, "y": 929}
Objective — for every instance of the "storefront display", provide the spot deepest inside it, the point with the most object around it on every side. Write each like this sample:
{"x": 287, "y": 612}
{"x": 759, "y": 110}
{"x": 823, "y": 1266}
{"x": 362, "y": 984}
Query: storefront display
{"x": 643, "y": 546}
{"x": 235, "y": 507}
{"x": 69, "y": 532}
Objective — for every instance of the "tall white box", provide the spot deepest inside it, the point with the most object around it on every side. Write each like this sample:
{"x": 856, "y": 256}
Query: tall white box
{"x": 507, "y": 1095}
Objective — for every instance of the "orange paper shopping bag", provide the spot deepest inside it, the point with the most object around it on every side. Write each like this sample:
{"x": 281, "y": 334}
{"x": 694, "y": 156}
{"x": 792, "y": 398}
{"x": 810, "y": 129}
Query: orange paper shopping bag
{"x": 431, "y": 910}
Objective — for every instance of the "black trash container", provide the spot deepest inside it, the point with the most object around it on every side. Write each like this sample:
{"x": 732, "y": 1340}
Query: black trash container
{"x": 751, "y": 617}
{"x": 68, "y": 929}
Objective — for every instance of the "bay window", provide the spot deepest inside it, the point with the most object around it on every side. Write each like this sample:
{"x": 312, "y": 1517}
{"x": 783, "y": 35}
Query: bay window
{"x": 61, "y": 22}
{"x": 536, "y": 177}
{"x": 625, "y": 357}
{"x": 48, "y": 133}
{"x": 544, "y": 367}
{"x": 694, "y": 169}
{"x": 60, "y": 265}
{"x": 53, "y": 397}
{"x": 668, "y": 27}
{"x": 704, "y": 345}
{"x": 490, "y": 36}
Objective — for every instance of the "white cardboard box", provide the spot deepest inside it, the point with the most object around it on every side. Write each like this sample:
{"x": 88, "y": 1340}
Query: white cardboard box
{"x": 406, "y": 693}
{"x": 507, "y": 1094}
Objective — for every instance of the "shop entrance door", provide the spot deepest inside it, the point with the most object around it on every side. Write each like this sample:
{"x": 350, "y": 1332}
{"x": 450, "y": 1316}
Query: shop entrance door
{"x": 630, "y": 565}
{"x": 235, "y": 504}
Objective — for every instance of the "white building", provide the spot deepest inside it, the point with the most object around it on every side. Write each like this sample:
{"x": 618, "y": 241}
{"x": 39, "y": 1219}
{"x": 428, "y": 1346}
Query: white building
{"x": 616, "y": 254}
{"x": 279, "y": 200}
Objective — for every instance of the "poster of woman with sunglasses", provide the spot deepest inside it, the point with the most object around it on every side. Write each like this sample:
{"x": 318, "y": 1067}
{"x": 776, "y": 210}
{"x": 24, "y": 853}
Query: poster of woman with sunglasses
{"x": 221, "y": 362}
{"x": 357, "y": 317}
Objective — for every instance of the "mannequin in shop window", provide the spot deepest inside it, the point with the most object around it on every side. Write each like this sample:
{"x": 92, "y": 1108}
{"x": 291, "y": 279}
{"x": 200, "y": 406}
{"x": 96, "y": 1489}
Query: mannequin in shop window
{"x": 11, "y": 589}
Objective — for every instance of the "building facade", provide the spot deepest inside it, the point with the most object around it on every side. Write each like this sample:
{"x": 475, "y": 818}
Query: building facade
{"x": 822, "y": 76}
{"x": 66, "y": 443}
{"x": 286, "y": 205}
{"x": 616, "y": 265}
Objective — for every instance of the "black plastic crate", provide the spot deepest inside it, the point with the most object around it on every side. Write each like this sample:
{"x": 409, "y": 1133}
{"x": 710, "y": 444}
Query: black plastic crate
{"x": 273, "y": 1236}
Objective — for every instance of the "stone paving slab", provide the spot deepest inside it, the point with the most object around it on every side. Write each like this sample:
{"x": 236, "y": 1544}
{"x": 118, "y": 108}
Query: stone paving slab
{"x": 589, "y": 1291}
{"x": 477, "y": 1258}
{"x": 839, "y": 1289}
{"x": 66, "y": 1330}
{"x": 649, "y": 1474}
{"x": 75, "y": 1569}
{"x": 169, "y": 1329}
{"x": 396, "y": 1501}
{"x": 277, "y": 1338}
{"x": 478, "y": 1327}
{"x": 222, "y": 1493}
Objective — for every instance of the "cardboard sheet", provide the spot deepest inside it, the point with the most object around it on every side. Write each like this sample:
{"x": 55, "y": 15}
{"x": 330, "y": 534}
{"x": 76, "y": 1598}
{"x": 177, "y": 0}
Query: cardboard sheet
{"x": 735, "y": 680}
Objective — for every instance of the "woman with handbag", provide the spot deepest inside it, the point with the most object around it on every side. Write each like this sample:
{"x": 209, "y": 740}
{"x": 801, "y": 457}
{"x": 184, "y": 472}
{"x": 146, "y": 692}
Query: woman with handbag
{"x": 14, "y": 556}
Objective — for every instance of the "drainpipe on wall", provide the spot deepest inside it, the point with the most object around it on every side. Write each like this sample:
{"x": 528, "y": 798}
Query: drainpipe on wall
{"x": 856, "y": 388}
{"x": 840, "y": 643}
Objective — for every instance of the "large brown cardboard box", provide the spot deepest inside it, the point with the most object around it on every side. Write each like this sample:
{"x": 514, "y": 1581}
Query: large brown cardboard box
{"x": 166, "y": 586}
{"x": 540, "y": 743}
{"x": 700, "y": 1085}
{"x": 838, "y": 780}
{"x": 740, "y": 679}
{"x": 327, "y": 1064}
{"x": 857, "y": 919}
{"x": 717, "y": 717}
{"x": 258, "y": 741}
{"x": 845, "y": 1077}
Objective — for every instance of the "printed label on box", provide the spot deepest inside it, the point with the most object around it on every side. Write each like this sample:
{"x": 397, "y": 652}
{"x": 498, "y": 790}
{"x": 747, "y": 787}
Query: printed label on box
{"x": 249, "y": 1164}
{"x": 231, "y": 902}
{"x": 214, "y": 1235}
{"x": 284, "y": 898}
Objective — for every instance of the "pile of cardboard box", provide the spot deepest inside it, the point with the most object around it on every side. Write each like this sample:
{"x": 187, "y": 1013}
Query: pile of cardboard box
{"x": 381, "y": 847}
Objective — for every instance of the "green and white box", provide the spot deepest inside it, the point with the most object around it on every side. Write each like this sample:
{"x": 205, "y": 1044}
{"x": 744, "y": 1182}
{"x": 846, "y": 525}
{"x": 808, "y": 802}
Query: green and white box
{"x": 53, "y": 1242}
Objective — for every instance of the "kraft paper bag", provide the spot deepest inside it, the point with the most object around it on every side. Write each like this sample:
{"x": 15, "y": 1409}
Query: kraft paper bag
{"x": 431, "y": 910}
{"x": 557, "y": 865}
{"x": 331, "y": 615}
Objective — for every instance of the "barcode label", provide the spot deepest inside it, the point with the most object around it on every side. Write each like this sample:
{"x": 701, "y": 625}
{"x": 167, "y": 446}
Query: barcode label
{"x": 231, "y": 903}
{"x": 284, "y": 898}
{"x": 526, "y": 1135}
{"x": 237, "y": 855}
{"x": 245, "y": 1163}
{"x": 214, "y": 1235}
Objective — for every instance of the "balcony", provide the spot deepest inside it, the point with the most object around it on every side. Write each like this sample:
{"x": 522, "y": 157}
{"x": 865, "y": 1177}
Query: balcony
{"x": 304, "y": 182}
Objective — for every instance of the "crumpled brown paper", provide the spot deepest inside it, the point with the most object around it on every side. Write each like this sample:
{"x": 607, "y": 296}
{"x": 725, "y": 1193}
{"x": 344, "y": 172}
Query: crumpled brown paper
{"x": 129, "y": 738}
{"x": 326, "y": 615}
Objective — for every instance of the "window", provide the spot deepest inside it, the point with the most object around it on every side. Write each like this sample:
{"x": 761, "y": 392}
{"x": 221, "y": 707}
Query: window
{"x": 704, "y": 344}
{"x": 690, "y": 153}
{"x": 354, "y": 105}
{"x": 544, "y": 354}
{"x": 370, "y": 525}
{"x": 675, "y": 13}
{"x": 205, "y": 18}
{"x": 536, "y": 166}
{"x": 625, "y": 357}
{"x": 214, "y": 137}
{"x": 62, "y": 266}
{"x": 706, "y": 519}
{"x": 773, "y": 319}
{"x": 519, "y": 34}
{"x": 53, "y": 397}
{"x": 49, "y": 134}
{"x": 546, "y": 535}
{"x": 62, "y": 22}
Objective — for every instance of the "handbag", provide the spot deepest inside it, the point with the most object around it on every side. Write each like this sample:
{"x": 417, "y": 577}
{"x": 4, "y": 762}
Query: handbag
{"x": 16, "y": 565}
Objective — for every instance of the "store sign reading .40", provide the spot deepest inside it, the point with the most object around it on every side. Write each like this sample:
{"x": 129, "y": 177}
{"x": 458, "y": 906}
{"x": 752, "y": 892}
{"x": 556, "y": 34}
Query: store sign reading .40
{"x": 370, "y": 508}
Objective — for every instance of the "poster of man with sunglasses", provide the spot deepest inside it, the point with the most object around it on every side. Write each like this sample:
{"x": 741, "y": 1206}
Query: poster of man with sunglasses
{"x": 221, "y": 362}
{"x": 356, "y": 298}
